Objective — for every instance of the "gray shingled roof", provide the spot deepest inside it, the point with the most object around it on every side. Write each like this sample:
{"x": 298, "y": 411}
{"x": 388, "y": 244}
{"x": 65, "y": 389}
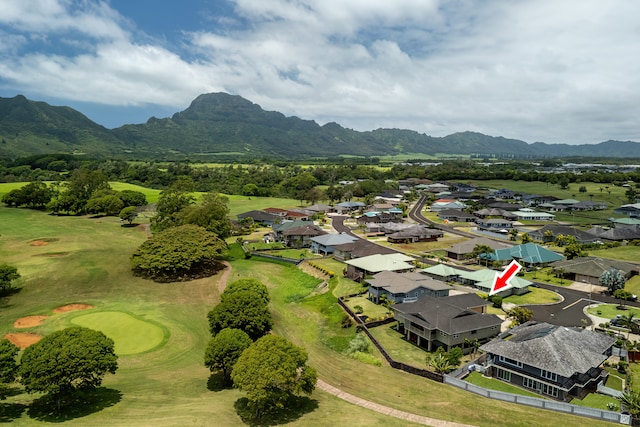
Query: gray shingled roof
{"x": 556, "y": 349}
{"x": 593, "y": 266}
{"x": 396, "y": 283}
{"x": 451, "y": 315}
{"x": 468, "y": 246}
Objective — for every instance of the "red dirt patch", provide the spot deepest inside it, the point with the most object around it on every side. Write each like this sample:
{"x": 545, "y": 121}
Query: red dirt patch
{"x": 71, "y": 307}
{"x": 23, "y": 340}
{"x": 29, "y": 321}
{"x": 43, "y": 242}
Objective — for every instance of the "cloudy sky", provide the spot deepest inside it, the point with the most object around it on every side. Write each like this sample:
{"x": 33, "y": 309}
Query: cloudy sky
{"x": 537, "y": 70}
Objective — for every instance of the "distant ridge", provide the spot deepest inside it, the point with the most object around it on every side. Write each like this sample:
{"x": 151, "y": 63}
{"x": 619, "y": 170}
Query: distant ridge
{"x": 219, "y": 124}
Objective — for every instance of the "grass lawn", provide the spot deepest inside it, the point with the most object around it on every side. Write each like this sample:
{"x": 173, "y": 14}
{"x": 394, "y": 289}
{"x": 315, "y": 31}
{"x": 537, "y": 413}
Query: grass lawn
{"x": 623, "y": 253}
{"x": 87, "y": 261}
{"x": 596, "y": 400}
{"x": 371, "y": 309}
{"x": 535, "y": 296}
{"x": 399, "y": 348}
{"x": 419, "y": 248}
{"x": 614, "y": 380}
{"x": 545, "y": 275}
{"x": 633, "y": 285}
{"x": 493, "y": 384}
{"x": 610, "y": 311}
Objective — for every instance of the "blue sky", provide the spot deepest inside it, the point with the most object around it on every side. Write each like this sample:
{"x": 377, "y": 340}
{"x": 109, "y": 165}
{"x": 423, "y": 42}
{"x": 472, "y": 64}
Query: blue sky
{"x": 538, "y": 70}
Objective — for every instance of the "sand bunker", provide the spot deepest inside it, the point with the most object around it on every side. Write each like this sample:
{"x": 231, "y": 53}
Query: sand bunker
{"x": 23, "y": 340}
{"x": 29, "y": 321}
{"x": 71, "y": 307}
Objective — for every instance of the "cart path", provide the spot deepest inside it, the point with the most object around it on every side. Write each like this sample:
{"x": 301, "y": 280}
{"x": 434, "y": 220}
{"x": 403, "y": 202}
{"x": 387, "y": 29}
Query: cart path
{"x": 418, "y": 419}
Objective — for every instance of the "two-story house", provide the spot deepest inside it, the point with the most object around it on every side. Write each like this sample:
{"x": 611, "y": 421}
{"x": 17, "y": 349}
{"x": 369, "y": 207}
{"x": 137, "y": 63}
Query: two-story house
{"x": 446, "y": 322}
{"x": 555, "y": 361}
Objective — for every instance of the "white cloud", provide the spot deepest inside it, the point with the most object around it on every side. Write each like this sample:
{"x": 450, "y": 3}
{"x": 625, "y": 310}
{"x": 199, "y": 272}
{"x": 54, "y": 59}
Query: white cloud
{"x": 535, "y": 70}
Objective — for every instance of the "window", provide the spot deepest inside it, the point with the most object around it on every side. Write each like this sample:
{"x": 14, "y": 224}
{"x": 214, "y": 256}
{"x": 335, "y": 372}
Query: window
{"x": 529, "y": 383}
{"x": 504, "y": 375}
{"x": 455, "y": 335}
{"x": 548, "y": 375}
{"x": 474, "y": 332}
{"x": 510, "y": 361}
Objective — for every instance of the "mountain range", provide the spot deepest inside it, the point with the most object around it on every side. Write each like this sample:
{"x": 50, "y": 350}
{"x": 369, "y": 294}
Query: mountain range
{"x": 219, "y": 125}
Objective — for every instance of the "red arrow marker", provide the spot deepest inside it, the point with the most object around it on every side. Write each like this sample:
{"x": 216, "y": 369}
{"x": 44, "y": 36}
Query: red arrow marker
{"x": 503, "y": 281}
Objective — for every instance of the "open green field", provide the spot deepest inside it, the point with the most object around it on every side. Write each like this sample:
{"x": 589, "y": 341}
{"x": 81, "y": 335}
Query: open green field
{"x": 80, "y": 260}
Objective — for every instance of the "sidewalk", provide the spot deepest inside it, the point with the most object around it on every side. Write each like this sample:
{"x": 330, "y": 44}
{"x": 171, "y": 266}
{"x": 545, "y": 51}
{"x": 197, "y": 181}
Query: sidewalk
{"x": 418, "y": 419}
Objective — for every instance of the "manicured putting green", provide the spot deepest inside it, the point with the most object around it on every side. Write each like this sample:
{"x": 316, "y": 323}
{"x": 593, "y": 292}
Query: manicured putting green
{"x": 130, "y": 334}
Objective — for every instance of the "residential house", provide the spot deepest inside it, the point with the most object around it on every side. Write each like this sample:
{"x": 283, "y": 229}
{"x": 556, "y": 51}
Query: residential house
{"x": 589, "y": 269}
{"x": 280, "y": 228}
{"x": 618, "y": 233}
{"x": 417, "y": 233}
{"x": 446, "y": 322}
{"x": 528, "y": 254}
{"x": 562, "y": 205}
{"x": 442, "y": 272}
{"x": 495, "y": 213}
{"x": 437, "y": 187}
{"x": 281, "y": 213}
{"x": 359, "y": 268}
{"x": 498, "y": 225}
{"x": 348, "y": 207}
{"x": 484, "y": 279}
{"x": 295, "y": 215}
{"x": 631, "y": 210}
{"x": 404, "y": 287}
{"x": 549, "y": 233}
{"x": 505, "y": 206}
{"x": 465, "y": 249}
{"x": 527, "y": 214}
{"x": 319, "y": 208}
{"x": 259, "y": 217}
{"x": 358, "y": 249}
{"x": 447, "y": 204}
{"x": 554, "y": 361}
{"x": 300, "y": 237}
{"x": 326, "y": 243}
{"x": 455, "y": 215}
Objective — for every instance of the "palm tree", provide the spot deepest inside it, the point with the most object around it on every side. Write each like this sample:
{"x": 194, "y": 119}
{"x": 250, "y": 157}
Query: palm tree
{"x": 630, "y": 401}
{"x": 627, "y": 321}
{"x": 439, "y": 362}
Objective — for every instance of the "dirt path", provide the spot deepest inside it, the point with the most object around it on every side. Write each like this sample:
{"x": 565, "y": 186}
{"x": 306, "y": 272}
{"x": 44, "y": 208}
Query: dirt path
{"x": 222, "y": 283}
{"x": 418, "y": 419}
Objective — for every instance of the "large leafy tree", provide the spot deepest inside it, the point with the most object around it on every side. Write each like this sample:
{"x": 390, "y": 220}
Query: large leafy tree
{"x": 67, "y": 360}
{"x": 244, "y": 310}
{"x": 613, "y": 279}
{"x": 272, "y": 370}
{"x": 224, "y": 350}
{"x": 247, "y": 284}
{"x": 211, "y": 213}
{"x": 36, "y": 195}
{"x": 170, "y": 203}
{"x": 8, "y": 274}
{"x": 8, "y": 365}
{"x": 179, "y": 253}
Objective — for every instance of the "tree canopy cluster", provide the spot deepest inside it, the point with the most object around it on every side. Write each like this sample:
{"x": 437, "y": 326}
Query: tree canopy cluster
{"x": 8, "y": 274}
{"x": 269, "y": 368}
{"x": 62, "y": 362}
{"x": 179, "y": 253}
{"x": 243, "y": 305}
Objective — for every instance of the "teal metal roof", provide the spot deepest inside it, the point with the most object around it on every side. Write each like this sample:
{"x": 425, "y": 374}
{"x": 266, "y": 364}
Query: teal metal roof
{"x": 529, "y": 253}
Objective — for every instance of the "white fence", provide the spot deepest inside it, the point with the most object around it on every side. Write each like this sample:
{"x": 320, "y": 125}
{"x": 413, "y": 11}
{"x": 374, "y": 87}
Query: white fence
{"x": 551, "y": 405}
